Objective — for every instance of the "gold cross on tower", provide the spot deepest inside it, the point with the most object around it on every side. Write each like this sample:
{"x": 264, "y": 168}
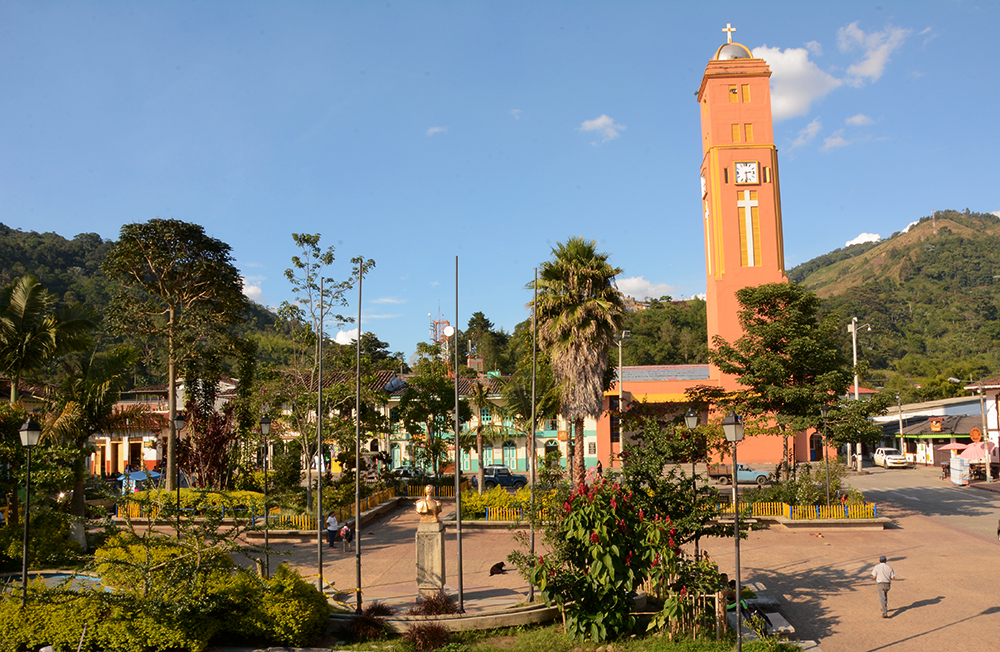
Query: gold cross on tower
{"x": 729, "y": 29}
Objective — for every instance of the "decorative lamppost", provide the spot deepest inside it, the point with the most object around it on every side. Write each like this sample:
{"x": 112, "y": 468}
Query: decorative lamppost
{"x": 691, "y": 421}
{"x": 178, "y": 426}
{"x": 30, "y": 432}
{"x": 825, "y": 410}
{"x": 732, "y": 425}
{"x": 265, "y": 430}
{"x": 852, "y": 328}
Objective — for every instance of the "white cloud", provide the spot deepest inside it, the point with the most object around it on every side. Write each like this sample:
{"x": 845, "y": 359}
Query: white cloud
{"x": 516, "y": 113}
{"x": 346, "y": 337}
{"x": 378, "y": 316}
{"x": 252, "y": 291}
{"x": 807, "y": 134}
{"x": 639, "y": 288}
{"x": 815, "y": 48}
{"x": 605, "y": 126}
{"x": 796, "y": 82}
{"x": 913, "y": 224}
{"x": 877, "y": 46}
{"x": 836, "y": 140}
{"x": 859, "y": 120}
{"x": 997, "y": 213}
{"x": 436, "y": 130}
{"x": 863, "y": 237}
{"x": 392, "y": 300}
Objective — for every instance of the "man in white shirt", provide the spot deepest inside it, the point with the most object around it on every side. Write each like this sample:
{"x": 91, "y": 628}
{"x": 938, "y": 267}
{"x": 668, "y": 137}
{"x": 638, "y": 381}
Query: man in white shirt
{"x": 883, "y": 576}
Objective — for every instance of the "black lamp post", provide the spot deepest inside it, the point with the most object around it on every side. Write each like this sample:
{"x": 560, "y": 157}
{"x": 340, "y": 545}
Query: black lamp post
{"x": 691, "y": 421}
{"x": 178, "y": 426}
{"x": 732, "y": 425}
{"x": 265, "y": 430}
{"x": 30, "y": 432}
{"x": 825, "y": 410}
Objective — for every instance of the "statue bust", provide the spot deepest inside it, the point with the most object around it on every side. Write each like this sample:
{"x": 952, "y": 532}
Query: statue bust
{"x": 427, "y": 507}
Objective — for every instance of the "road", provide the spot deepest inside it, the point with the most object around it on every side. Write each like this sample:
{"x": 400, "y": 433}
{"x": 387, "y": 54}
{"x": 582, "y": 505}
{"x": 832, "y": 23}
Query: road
{"x": 942, "y": 543}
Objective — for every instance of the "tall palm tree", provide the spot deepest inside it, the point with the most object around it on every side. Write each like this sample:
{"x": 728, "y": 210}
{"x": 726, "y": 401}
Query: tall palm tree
{"x": 86, "y": 406}
{"x": 579, "y": 312}
{"x": 33, "y": 332}
{"x": 479, "y": 399}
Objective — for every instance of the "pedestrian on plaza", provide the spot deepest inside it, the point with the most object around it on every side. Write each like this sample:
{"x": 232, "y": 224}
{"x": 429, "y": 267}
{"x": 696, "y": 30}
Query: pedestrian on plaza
{"x": 883, "y": 576}
{"x": 347, "y": 535}
{"x": 332, "y": 525}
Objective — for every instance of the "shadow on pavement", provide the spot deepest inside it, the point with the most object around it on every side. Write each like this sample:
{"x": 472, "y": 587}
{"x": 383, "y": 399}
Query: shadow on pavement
{"x": 917, "y": 604}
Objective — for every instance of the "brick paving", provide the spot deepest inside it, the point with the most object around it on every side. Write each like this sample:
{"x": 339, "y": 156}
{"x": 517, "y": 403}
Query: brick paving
{"x": 388, "y": 563}
{"x": 946, "y": 595}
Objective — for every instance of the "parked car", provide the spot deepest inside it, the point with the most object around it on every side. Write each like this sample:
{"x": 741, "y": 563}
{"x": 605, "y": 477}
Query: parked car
{"x": 744, "y": 474}
{"x": 887, "y": 457}
{"x": 498, "y": 475}
{"x": 409, "y": 473}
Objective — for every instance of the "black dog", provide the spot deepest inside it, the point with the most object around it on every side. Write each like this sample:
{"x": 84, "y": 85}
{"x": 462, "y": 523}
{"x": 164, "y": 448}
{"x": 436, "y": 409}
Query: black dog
{"x": 497, "y": 569}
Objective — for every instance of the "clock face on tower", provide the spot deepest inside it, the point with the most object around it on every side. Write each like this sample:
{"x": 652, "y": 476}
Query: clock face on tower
{"x": 746, "y": 172}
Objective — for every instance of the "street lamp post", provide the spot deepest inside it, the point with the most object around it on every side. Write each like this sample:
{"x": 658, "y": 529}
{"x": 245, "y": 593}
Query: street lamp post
{"x": 852, "y": 328}
{"x": 624, "y": 335}
{"x": 178, "y": 426}
{"x": 824, "y": 411}
{"x": 732, "y": 425}
{"x": 691, "y": 421}
{"x": 265, "y": 430}
{"x": 30, "y": 432}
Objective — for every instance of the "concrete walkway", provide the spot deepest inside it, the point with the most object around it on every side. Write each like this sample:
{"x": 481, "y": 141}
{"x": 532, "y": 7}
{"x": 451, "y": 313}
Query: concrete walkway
{"x": 945, "y": 596}
{"x": 388, "y": 563}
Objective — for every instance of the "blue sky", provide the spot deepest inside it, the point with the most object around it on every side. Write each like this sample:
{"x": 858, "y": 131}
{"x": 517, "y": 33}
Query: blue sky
{"x": 412, "y": 132}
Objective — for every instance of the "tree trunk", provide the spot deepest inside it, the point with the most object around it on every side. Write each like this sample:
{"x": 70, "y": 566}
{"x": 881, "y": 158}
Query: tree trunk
{"x": 171, "y": 407}
{"x": 579, "y": 469}
{"x": 787, "y": 465}
{"x": 481, "y": 473}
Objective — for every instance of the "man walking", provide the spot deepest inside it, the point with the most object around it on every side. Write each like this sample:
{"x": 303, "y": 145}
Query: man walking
{"x": 883, "y": 575}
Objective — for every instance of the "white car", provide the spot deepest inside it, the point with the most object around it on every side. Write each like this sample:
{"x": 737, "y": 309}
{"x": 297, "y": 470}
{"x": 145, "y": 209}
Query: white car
{"x": 886, "y": 457}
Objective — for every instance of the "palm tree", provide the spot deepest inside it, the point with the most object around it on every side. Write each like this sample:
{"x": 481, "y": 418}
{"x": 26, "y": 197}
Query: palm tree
{"x": 479, "y": 393}
{"x": 32, "y": 332}
{"x": 86, "y": 406}
{"x": 579, "y": 313}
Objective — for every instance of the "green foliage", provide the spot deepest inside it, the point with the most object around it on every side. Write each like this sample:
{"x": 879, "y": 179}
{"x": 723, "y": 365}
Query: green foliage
{"x": 806, "y": 487}
{"x": 602, "y": 549}
{"x": 667, "y": 332}
{"x": 49, "y": 544}
{"x": 203, "y": 500}
{"x": 286, "y": 610}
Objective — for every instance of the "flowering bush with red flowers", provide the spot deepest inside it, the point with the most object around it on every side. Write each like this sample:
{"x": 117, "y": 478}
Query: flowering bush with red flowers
{"x": 603, "y": 549}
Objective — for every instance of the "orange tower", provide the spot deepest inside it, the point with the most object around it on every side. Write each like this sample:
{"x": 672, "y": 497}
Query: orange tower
{"x": 739, "y": 184}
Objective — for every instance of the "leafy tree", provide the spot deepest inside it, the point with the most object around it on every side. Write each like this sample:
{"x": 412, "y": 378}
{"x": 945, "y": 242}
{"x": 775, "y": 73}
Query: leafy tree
{"x": 427, "y": 409}
{"x": 178, "y": 284}
{"x": 479, "y": 400}
{"x": 667, "y": 332}
{"x": 33, "y": 331}
{"x": 580, "y": 313}
{"x": 787, "y": 360}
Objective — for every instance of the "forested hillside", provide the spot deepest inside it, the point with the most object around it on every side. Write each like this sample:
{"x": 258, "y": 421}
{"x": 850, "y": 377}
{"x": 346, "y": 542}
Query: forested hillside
{"x": 931, "y": 296}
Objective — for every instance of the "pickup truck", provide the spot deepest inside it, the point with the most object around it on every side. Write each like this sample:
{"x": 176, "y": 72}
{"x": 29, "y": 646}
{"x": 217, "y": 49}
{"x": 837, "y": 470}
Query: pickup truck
{"x": 498, "y": 475}
{"x": 744, "y": 474}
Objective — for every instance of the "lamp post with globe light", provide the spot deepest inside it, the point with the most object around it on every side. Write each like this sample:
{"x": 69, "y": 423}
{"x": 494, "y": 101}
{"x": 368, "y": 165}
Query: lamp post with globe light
{"x": 732, "y": 425}
{"x": 691, "y": 422}
{"x": 30, "y": 433}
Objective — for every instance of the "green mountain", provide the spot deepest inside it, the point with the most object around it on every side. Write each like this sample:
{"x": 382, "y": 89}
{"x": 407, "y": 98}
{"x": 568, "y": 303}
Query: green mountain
{"x": 931, "y": 296}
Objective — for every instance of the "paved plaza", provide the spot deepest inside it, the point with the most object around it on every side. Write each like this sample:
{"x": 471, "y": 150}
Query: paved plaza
{"x": 941, "y": 542}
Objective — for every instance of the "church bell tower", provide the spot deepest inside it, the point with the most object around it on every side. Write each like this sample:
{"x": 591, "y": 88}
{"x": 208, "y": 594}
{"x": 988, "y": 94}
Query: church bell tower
{"x": 741, "y": 200}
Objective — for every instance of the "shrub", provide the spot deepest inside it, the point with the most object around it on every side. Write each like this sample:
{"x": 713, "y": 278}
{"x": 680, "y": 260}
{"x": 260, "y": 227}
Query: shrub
{"x": 438, "y": 604}
{"x": 284, "y": 609}
{"x": 371, "y": 624}
{"x": 426, "y": 636}
{"x": 49, "y": 545}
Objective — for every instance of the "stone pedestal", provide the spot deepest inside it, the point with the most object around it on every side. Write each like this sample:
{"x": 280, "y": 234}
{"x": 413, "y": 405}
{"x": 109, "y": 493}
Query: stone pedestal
{"x": 430, "y": 559}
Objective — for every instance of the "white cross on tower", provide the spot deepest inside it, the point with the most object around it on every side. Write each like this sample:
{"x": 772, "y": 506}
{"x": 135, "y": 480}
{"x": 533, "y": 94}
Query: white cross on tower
{"x": 729, "y": 32}
{"x": 748, "y": 205}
